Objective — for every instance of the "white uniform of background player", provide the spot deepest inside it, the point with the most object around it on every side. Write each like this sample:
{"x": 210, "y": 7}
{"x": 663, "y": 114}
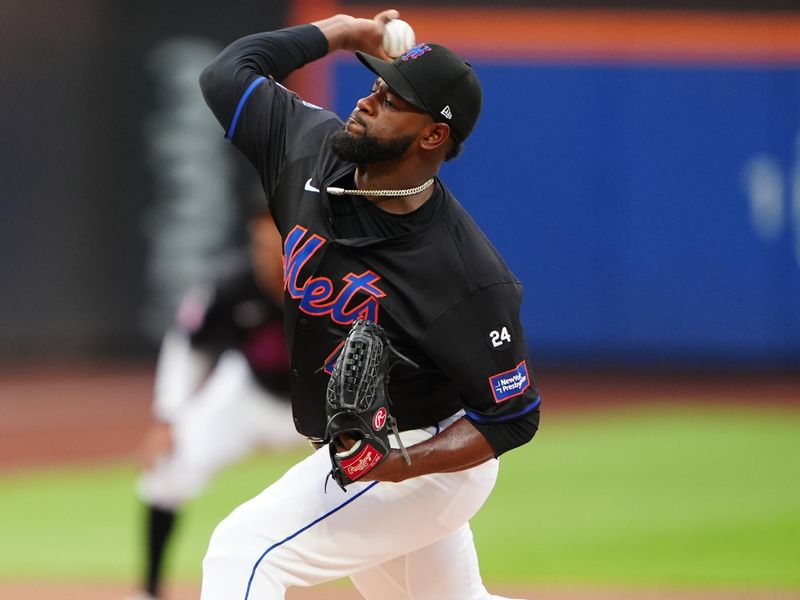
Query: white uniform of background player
{"x": 221, "y": 390}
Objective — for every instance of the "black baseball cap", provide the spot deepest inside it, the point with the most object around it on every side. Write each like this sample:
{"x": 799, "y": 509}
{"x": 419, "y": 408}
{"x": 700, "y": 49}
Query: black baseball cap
{"x": 434, "y": 79}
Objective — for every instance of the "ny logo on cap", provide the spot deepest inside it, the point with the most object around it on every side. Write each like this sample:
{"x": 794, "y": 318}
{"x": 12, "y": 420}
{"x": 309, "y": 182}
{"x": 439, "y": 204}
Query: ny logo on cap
{"x": 447, "y": 112}
{"x": 415, "y": 52}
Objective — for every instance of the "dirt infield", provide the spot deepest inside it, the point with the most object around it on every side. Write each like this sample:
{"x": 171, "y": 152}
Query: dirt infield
{"x": 75, "y": 415}
{"x": 72, "y": 415}
{"x": 338, "y": 592}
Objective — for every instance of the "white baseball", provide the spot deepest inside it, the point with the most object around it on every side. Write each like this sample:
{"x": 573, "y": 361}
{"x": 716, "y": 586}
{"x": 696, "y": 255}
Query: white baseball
{"x": 398, "y": 38}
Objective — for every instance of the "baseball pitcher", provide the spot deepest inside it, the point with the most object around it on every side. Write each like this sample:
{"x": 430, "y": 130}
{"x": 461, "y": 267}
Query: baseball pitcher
{"x": 409, "y": 367}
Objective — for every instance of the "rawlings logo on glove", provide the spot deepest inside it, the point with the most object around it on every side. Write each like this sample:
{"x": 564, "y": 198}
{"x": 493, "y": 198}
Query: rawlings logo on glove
{"x": 357, "y": 403}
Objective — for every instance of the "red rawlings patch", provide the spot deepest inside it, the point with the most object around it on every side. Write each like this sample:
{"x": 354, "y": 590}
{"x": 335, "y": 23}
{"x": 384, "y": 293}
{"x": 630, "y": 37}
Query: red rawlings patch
{"x": 379, "y": 419}
{"x": 362, "y": 463}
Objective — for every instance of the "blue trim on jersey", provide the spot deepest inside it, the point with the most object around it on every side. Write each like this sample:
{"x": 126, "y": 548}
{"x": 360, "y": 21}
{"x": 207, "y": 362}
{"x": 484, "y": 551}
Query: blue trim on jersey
{"x": 240, "y": 106}
{"x": 299, "y": 531}
{"x": 481, "y": 419}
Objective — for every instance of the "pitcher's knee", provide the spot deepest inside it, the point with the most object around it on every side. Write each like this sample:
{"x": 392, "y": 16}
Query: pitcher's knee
{"x": 236, "y": 559}
{"x": 227, "y": 543}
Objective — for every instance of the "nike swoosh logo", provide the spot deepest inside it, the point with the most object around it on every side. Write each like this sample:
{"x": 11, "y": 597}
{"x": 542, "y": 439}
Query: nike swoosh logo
{"x": 311, "y": 188}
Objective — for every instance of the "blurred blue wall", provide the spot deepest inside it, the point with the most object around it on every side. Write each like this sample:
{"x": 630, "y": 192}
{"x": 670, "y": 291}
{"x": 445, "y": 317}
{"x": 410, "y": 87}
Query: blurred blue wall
{"x": 649, "y": 210}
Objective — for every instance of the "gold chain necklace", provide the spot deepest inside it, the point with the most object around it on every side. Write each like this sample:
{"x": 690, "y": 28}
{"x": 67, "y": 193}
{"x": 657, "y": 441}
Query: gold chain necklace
{"x": 336, "y": 191}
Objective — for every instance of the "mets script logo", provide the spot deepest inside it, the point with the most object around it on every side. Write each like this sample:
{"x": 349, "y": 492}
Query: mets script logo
{"x": 510, "y": 383}
{"x": 317, "y": 294}
{"x": 416, "y": 52}
{"x": 379, "y": 419}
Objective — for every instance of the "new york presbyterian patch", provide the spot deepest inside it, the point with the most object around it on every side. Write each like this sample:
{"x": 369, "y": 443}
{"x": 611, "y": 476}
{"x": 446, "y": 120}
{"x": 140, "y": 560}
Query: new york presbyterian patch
{"x": 511, "y": 383}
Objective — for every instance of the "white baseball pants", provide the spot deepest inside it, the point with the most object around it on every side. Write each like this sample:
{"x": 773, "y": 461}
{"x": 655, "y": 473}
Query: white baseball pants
{"x": 397, "y": 541}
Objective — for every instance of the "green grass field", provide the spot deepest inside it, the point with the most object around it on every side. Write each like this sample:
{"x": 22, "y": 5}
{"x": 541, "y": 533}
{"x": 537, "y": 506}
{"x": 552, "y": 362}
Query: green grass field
{"x": 658, "y": 496}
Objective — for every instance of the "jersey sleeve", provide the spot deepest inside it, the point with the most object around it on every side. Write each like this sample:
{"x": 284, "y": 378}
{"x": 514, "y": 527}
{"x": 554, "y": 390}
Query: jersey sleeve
{"x": 480, "y": 345}
{"x": 260, "y": 116}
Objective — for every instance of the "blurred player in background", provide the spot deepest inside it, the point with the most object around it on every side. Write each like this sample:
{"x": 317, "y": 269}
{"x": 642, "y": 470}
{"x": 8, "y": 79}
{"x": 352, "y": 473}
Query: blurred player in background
{"x": 221, "y": 389}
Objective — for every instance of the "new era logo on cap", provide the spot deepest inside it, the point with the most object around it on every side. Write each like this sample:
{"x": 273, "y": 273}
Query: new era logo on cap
{"x": 430, "y": 76}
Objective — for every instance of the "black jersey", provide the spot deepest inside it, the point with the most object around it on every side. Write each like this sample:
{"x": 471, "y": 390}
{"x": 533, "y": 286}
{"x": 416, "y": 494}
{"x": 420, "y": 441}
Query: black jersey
{"x": 235, "y": 313}
{"x": 441, "y": 291}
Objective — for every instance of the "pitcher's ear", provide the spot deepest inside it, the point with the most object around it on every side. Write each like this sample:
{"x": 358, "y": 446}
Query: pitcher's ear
{"x": 435, "y": 136}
